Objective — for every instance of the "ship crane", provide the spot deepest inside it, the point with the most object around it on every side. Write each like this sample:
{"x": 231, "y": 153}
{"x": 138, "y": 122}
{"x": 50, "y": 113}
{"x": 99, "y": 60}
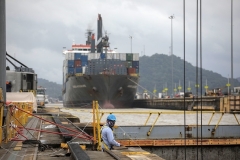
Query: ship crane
{"x": 20, "y": 69}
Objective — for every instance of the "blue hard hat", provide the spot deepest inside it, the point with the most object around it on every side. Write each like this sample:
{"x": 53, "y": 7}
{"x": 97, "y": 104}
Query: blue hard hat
{"x": 111, "y": 117}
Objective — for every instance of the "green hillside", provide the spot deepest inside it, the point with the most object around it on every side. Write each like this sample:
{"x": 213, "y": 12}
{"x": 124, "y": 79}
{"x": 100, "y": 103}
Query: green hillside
{"x": 54, "y": 90}
{"x": 156, "y": 70}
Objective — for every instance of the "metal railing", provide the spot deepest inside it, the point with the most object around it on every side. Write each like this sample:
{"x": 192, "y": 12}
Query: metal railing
{"x": 157, "y": 113}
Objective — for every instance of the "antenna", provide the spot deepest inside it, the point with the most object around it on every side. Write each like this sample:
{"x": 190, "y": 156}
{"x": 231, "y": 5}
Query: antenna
{"x": 144, "y": 50}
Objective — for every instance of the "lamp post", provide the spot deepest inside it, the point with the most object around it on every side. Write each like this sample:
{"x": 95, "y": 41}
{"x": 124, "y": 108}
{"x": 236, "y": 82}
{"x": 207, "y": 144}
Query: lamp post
{"x": 131, "y": 42}
{"x": 172, "y": 17}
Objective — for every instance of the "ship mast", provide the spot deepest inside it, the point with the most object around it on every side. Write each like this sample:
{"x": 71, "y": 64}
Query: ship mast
{"x": 88, "y": 35}
{"x": 99, "y": 36}
{"x": 105, "y": 42}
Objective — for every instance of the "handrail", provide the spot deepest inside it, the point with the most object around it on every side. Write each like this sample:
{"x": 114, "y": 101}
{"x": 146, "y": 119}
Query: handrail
{"x": 150, "y": 130}
{"x": 236, "y": 118}
{"x": 96, "y": 125}
{"x": 150, "y": 113}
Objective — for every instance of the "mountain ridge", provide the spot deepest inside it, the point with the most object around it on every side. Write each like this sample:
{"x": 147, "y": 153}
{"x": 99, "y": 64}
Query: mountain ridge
{"x": 156, "y": 74}
{"x": 53, "y": 89}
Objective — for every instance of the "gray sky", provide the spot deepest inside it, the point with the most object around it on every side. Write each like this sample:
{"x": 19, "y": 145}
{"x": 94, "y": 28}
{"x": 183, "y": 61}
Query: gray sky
{"x": 38, "y": 30}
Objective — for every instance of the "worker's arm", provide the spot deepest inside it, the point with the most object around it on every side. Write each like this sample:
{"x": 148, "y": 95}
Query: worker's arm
{"x": 111, "y": 138}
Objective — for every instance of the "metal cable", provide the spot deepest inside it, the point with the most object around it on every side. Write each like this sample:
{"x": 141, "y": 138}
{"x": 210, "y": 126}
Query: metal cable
{"x": 184, "y": 80}
{"x": 141, "y": 86}
{"x": 197, "y": 71}
{"x": 28, "y": 130}
{"x": 23, "y": 126}
{"x": 201, "y": 70}
{"x": 129, "y": 137}
{"x": 42, "y": 144}
{"x": 232, "y": 82}
{"x": 86, "y": 135}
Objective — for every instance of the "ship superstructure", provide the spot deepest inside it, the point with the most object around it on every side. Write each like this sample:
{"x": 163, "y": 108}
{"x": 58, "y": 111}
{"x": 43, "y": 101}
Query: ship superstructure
{"x": 94, "y": 72}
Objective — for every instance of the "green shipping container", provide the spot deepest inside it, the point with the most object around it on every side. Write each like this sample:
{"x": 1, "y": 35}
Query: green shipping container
{"x": 129, "y": 57}
{"x": 128, "y": 64}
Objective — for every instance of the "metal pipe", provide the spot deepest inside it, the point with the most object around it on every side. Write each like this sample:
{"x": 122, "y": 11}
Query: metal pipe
{"x": 201, "y": 75}
{"x": 99, "y": 36}
{"x": 94, "y": 123}
{"x": 131, "y": 42}
{"x": 219, "y": 121}
{"x": 3, "y": 48}
{"x": 11, "y": 63}
{"x": 232, "y": 44}
{"x": 147, "y": 119}
{"x": 236, "y": 118}
{"x": 98, "y": 126}
{"x": 16, "y": 60}
{"x": 149, "y": 132}
{"x": 93, "y": 44}
{"x": 172, "y": 17}
{"x": 101, "y": 116}
{"x": 210, "y": 119}
{"x": 184, "y": 73}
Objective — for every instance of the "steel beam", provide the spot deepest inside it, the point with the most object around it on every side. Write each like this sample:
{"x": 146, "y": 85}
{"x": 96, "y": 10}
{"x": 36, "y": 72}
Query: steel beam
{"x": 76, "y": 152}
{"x": 177, "y": 131}
{"x": 66, "y": 138}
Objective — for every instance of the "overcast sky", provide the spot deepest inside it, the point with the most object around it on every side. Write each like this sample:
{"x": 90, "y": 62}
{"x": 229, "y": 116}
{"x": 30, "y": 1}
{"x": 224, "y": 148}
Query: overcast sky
{"x": 38, "y": 30}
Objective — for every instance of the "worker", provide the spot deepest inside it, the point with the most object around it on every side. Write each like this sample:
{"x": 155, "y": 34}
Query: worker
{"x": 8, "y": 86}
{"x": 107, "y": 133}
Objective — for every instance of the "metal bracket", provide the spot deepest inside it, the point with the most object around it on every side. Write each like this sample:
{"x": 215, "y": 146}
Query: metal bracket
{"x": 188, "y": 129}
{"x": 149, "y": 132}
{"x": 213, "y": 130}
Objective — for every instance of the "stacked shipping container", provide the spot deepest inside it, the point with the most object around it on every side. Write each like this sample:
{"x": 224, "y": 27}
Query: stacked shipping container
{"x": 93, "y": 64}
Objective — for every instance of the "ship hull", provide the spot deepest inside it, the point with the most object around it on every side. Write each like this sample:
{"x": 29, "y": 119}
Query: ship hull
{"x": 111, "y": 91}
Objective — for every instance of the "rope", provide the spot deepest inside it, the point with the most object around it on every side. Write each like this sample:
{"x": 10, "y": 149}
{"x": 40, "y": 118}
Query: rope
{"x": 59, "y": 133}
{"x": 42, "y": 154}
{"x": 88, "y": 136}
{"x": 19, "y": 132}
{"x": 142, "y": 87}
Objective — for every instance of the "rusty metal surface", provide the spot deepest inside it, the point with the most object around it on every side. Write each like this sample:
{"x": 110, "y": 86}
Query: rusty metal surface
{"x": 180, "y": 142}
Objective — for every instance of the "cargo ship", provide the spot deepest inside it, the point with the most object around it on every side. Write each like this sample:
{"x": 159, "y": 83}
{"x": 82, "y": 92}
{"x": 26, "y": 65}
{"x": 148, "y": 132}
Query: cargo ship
{"x": 95, "y": 72}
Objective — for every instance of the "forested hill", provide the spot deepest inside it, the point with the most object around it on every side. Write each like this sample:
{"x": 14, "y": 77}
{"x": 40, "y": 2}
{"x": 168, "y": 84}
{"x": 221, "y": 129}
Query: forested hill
{"x": 54, "y": 90}
{"x": 156, "y": 71}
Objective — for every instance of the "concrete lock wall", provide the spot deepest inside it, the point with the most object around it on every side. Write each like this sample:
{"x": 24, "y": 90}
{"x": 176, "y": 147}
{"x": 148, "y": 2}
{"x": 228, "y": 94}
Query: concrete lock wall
{"x": 209, "y": 152}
